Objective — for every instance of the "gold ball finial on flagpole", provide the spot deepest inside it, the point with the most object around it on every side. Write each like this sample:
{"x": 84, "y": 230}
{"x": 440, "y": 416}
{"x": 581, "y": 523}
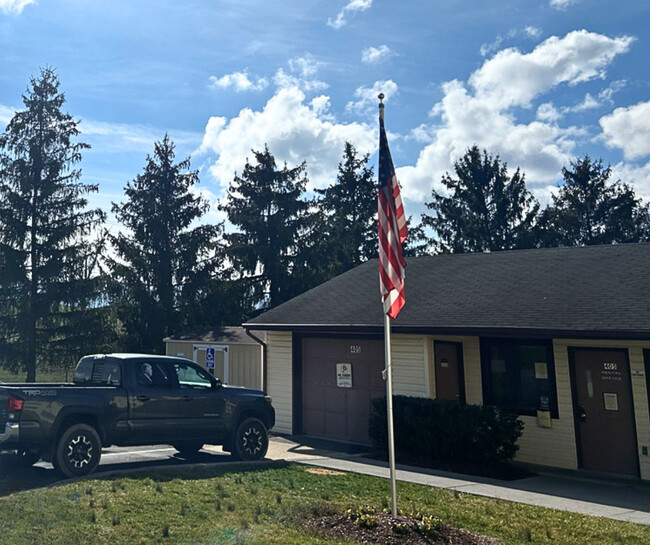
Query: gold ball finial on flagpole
{"x": 381, "y": 97}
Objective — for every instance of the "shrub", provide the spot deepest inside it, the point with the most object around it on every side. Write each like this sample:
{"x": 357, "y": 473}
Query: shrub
{"x": 446, "y": 431}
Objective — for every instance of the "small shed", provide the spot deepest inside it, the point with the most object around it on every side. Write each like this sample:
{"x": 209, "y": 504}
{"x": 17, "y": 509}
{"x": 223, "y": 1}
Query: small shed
{"x": 227, "y": 352}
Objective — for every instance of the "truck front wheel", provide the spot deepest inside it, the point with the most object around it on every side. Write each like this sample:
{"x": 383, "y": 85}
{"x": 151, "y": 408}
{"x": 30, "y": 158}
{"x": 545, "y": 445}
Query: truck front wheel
{"x": 78, "y": 451}
{"x": 251, "y": 440}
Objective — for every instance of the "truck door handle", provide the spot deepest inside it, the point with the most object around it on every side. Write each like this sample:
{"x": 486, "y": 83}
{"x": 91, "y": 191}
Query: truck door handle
{"x": 142, "y": 398}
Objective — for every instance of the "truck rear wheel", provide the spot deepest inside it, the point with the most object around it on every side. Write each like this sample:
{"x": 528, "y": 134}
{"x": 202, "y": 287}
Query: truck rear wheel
{"x": 251, "y": 440}
{"x": 78, "y": 451}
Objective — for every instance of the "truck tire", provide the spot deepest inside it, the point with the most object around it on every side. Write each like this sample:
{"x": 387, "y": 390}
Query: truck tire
{"x": 78, "y": 451}
{"x": 251, "y": 440}
{"x": 188, "y": 448}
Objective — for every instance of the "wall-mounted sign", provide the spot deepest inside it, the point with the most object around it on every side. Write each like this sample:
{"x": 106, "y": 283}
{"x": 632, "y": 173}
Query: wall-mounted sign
{"x": 541, "y": 370}
{"x": 209, "y": 358}
{"x": 355, "y": 349}
{"x": 610, "y": 401}
{"x": 344, "y": 375}
{"x": 610, "y": 372}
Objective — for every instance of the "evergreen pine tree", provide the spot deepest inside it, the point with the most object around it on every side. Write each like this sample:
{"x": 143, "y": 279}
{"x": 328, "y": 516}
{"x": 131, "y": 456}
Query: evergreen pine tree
{"x": 163, "y": 268}
{"x": 485, "y": 209}
{"x": 349, "y": 208}
{"x": 588, "y": 209}
{"x": 266, "y": 205}
{"x": 47, "y": 293}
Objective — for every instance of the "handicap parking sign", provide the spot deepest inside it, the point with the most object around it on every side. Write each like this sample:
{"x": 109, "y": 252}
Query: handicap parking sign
{"x": 209, "y": 358}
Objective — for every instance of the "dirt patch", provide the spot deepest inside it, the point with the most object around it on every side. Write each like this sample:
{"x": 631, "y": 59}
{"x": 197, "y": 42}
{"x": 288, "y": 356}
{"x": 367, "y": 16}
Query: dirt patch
{"x": 343, "y": 528}
{"x": 323, "y": 471}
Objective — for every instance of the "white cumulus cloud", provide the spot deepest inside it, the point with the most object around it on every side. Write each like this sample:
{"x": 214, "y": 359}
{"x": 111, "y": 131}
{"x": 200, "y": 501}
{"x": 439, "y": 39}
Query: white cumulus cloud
{"x": 240, "y": 81}
{"x": 302, "y": 72}
{"x": 483, "y": 111}
{"x": 15, "y": 6}
{"x": 366, "y": 97}
{"x": 528, "y": 31}
{"x": 628, "y": 129}
{"x": 294, "y": 129}
{"x": 562, "y": 4}
{"x": 374, "y": 55}
{"x": 6, "y": 114}
{"x": 578, "y": 57}
{"x": 351, "y": 7}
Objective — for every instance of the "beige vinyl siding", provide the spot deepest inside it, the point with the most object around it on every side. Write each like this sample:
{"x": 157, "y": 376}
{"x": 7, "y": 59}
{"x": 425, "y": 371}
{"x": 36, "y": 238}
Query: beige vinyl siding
{"x": 472, "y": 366}
{"x": 245, "y": 365}
{"x": 178, "y": 348}
{"x": 409, "y": 360}
{"x": 279, "y": 378}
{"x": 244, "y": 360}
{"x": 555, "y": 446}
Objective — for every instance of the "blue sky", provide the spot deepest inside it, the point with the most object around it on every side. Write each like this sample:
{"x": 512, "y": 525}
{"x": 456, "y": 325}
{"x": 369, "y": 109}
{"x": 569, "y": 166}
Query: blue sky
{"x": 537, "y": 82}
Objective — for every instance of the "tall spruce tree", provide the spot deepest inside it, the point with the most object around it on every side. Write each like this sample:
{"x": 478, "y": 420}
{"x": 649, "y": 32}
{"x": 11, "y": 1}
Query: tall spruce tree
{"x": 589, "y": 209}
{"x": 267, "y": 207}
{"x": 485, "y": 209}
{"x": 47, "y": 294}
{"x": 349, "y": 208}
{"x": 163, "y": 267}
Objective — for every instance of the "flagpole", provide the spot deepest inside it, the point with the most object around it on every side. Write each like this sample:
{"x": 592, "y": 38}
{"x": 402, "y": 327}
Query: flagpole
{"x": 389, "y": 414}
{"x": 389, "y": 387}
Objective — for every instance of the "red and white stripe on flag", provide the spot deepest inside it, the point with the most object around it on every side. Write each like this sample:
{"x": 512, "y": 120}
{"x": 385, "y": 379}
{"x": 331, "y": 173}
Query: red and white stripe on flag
{"x": 392, "y": 231}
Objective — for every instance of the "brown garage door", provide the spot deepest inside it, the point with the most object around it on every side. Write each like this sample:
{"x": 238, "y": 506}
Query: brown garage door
{"x": 337, "y": 407}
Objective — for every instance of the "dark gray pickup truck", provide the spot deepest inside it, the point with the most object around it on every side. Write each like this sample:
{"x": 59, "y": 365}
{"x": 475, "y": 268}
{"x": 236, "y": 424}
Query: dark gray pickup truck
{"x": 131, "y": 399}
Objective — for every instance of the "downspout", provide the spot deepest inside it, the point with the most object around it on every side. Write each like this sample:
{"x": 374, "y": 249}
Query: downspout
{"x": 264, "y": 348}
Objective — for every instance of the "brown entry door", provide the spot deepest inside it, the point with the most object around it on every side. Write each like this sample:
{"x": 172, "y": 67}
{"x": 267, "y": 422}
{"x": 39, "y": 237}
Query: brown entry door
{"x": 449, "y": 371}
{"x": 604, "y": 412}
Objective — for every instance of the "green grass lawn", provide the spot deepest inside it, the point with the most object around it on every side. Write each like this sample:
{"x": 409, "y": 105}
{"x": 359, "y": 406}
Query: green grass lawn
{"x": 226, "y": 505}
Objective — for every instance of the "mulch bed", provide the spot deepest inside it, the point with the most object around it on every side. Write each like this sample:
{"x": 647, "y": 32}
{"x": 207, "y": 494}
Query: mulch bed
{"x": 342, "y": 528}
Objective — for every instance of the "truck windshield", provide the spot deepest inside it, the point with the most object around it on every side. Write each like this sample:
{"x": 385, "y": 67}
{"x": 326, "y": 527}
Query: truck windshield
{"x": 98, "y": 372}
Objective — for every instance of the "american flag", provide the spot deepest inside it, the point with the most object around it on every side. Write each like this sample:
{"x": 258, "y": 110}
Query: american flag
{"x": 392, "y": 231}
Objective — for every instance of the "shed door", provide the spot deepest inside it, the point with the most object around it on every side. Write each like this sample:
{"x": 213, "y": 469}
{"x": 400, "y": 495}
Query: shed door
{"x": 338, "y": 407}
{"x": 604, "y": 411}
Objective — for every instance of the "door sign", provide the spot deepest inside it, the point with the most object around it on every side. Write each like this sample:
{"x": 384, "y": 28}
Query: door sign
{"x": 344, "y": 375}
{"x": 209, "y": 358}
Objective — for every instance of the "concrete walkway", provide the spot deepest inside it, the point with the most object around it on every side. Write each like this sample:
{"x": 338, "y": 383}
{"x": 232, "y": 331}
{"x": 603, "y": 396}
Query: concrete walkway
{"x": 620, "y": 499}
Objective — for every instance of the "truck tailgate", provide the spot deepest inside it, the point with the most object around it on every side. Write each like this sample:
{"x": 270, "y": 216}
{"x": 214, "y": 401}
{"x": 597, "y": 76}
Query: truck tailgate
{"x": 4, "y": 402}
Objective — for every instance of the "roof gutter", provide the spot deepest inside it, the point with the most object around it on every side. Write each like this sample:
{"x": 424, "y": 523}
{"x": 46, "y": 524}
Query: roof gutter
{"x": 474, "y": 331}
{"x": 264, "y": 363}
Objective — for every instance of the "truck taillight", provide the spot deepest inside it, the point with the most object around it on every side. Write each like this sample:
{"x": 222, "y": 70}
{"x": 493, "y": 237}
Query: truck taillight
{"x": 15, "y": 404}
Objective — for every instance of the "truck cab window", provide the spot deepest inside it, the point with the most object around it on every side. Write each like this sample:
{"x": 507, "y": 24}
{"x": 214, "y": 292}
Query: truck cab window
{"x": 152, "y": 374}
{"x": 192, "y": 377}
